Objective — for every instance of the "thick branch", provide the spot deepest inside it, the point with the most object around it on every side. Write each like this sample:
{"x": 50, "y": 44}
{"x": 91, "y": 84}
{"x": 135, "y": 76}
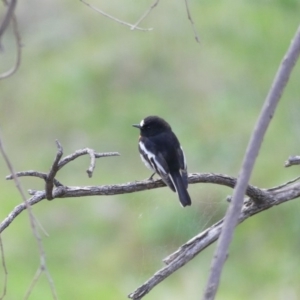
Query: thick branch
{"x": 106, "y": 190}
{"x": 256, "y": 194}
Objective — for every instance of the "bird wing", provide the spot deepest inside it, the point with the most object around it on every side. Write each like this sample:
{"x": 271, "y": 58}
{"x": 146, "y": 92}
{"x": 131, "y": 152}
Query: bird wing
{"x": 157, "y": 162}
{"x": 183, "y": 166}
{"x": 163, "y": 170}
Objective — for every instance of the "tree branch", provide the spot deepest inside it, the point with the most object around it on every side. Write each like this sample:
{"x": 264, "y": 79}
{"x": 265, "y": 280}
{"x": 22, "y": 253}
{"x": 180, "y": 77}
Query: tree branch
{"x": 186, "y": 252}
{"x": 4, "y": 269}
{"x": 292, "y": 161}
{"x": 54, "y": 169}
{"x": 233, "y": 212}
{"x": 260, "y": 200}
{"x": 145, "y": 14}
{"x": 10, "y": 16}
{"x": 60, "y": 191}
{"x": 113, "y": 18}
{"x": 191, "y": 21}
{"x": 43, "y": 265}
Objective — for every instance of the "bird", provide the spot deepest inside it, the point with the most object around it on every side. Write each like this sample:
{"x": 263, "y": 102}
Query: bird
{"x": 161, "y": 152}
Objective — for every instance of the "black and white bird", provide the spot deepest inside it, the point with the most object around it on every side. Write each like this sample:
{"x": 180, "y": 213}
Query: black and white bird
{"x": 161, "y": 152}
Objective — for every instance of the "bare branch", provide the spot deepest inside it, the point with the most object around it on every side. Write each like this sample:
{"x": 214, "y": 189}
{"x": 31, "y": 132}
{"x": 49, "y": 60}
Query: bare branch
{"x": 194, "y": 246}
{"x": 33, "y": 283}
{"x": 233, "y": 212}
{"x": 33, "y": 174}
{"x": 113, "y": 18}
{"x": 58, "y": 164}
{"x": 8, "y": 16}
{"x": 81, "y": 152}
{"x": 35, "y": 232}
{"x": 18, "y": 45}
{"x": 19, "y": 208}
{"x": 145, "y": 14}
{"x": 292, "y": 161}
{"x": 4, "y": 269}
{"x": 256, "y": 194}
{"x": 91, "y": 168}
{"x": 54, "y": 169}
{"x": 192, "y": 21}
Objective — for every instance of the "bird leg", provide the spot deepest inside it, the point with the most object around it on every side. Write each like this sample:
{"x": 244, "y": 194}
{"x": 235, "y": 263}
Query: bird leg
{"x": 151, "y": 177}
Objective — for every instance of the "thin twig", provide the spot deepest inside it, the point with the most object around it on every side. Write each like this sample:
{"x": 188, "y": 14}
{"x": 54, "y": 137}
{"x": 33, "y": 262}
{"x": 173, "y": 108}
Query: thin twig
{"x": 81, "y": 152}
{"x": 233, "y": 212}
{"x": 145, "y": 14}
{"x": 19, "y": 49}
{"x": 114, "y": 18}
{"x": 33, "y": 283}
{"x": 292, "y": 161}
{"x": 4, "y": 269}
{"x": 192, "y": 21}
{"x": 8, "y": 16}
{"x": 92, "y": 166}
{"x": 35, "y": 232}
{"x": 34, "y": 174}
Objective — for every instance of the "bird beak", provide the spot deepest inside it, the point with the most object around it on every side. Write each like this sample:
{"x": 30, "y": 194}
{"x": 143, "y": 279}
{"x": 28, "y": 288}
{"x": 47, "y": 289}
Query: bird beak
{"x": 137, "y": 126}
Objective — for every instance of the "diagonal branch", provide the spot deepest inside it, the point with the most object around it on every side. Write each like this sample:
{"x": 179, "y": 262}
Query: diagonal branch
{"x": 144, "y": 15}
{"x": 191, "y": 21}
{"x": 8, "y": 16}
{"x": 233, "y": 212}
{"x": 25, "y": 204}
{"x": 194, "y": 246}
{"x": 114, "y": 18}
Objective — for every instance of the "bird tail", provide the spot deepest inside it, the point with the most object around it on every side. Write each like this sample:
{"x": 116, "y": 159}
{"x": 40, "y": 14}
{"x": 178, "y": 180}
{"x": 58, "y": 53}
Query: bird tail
{"x": 181, "y": 189}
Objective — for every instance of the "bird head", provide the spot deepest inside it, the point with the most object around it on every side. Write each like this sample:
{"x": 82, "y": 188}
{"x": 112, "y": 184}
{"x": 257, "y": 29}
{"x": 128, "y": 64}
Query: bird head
{"x": 152, "y": 125}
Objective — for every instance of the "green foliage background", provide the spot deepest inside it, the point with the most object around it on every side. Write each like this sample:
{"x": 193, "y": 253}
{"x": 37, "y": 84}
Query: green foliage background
{"x": 84, "y": 80}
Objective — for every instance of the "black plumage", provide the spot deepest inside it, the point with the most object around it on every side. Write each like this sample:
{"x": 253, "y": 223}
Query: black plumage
{"x": 161, "y": 152}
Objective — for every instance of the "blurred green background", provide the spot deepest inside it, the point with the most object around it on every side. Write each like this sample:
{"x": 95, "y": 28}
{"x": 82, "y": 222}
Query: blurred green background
{"x": 84, "y": 80}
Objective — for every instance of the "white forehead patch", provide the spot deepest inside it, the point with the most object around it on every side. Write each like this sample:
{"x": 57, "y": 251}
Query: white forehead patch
{"x": 142, "y": 123}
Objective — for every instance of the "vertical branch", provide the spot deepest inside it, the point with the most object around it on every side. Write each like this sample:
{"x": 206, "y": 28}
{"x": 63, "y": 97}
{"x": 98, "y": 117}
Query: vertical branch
{"x": 192, "y": 21}
{"x": 255, "y": 142}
